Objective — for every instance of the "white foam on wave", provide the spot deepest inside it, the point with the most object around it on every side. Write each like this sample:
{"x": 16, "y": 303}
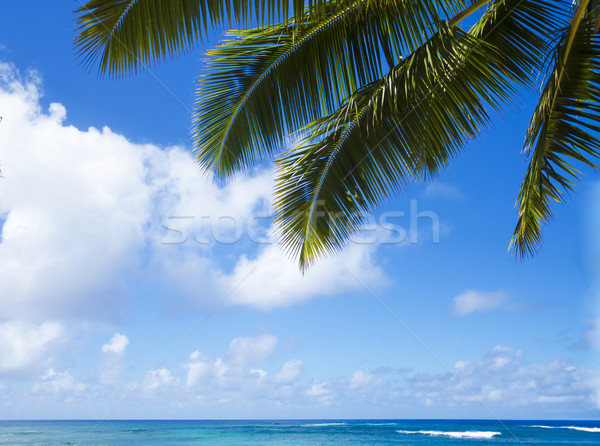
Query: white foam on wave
{"x": 584, "y": 429}
{"x": 463, "y": 434}
{"x": 577, "y": 428}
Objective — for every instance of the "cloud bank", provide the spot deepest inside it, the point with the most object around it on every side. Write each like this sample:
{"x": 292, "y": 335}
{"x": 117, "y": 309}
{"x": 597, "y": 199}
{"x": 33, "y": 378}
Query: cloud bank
{"x": 253, "y": 378}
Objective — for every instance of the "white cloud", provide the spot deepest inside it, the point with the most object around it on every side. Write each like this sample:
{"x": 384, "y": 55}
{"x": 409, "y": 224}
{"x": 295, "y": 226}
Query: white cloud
{"x": 233, "y": 370}
{"x": 289, "y": 372}
{"x": 251, "y": 350}
{"x": 505, "y": 384}
{"x": 271, "y": 280}
{"x": 57, "y": 382}
{"x": 116, "y": 344}
{"x": 26, "y": 346}
{"x": 360, "y": 379}
{"x": 85, "y": 211}
{"x": 261, "y": 384}
{"x": 321, "y": 392}
{"x": 157, "y": 379}
{"x": 113, "y": 363}
{"x": 473, "y": 301}
{"x": 199, "y": 368}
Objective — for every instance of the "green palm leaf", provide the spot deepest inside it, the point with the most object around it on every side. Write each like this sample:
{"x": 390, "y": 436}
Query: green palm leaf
{"x": 129, "y": 35}
{"x": 314, "y": 66}
{"x": 403, "y": 128}
{"x": 563, "y": 130}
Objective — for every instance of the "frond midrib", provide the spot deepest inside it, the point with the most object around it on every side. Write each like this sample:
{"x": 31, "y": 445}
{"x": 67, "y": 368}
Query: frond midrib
{"x": 334, "y": 153}
{"x": 117, "y": 23}
{"x": 120, "y": 20}
{"x": 272, "y": 66}
{"x": 530, "y": 216}
{"x": 579, "y": 13}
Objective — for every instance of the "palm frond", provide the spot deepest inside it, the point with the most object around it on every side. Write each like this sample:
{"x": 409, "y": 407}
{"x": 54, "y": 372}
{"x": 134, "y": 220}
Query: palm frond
{"x": 401, "y": 129}
{"x": 129, "y": 35}
{"x": 521, "y": 31}
{"x": 563, "y": 131}
{"x": 404, "y": 128}
{"x": 314, "y": 66}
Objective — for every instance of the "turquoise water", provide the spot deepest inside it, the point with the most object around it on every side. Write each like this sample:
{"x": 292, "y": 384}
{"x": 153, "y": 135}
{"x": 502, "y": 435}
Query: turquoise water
{"x": 353, "y": 432}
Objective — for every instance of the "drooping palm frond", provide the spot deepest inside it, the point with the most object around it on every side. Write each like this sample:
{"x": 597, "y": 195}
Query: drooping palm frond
{"x": 377, "y": 143}
{"x": 263, "y": 83}
{"x": 404, "y": 128}
{"x": 521, "y": 31}
{"x": 563, "y": 130}
{"x": 129, "y": 35}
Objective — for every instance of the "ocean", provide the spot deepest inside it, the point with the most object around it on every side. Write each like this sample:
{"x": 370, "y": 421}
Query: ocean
{"x": 300, "y": 432}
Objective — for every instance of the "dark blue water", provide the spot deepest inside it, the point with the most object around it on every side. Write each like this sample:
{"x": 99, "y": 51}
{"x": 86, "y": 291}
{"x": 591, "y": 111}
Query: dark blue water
{"x": 296, "y": 432}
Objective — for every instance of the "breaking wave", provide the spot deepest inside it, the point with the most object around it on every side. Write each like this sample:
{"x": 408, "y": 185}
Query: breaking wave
{"x": 577, "y": 428}
{"x": 463, "y": 434}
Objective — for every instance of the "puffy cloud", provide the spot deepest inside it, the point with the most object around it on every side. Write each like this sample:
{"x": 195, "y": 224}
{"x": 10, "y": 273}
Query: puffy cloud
{"x": 25, "y": 346}
{"x": 113, "y": 363}
{"x": 289, "y": 372}
{"x": 251, "y": 350}
{"x": 504, "y": 383}
{"x": 57, "y": 383}
{"x": 248, "y": 380}
{"x": 199, "y": 368}
{"x": 321, "y": 392}
{"x": 116, "y": 344}
{"x": 74, "y": 202}
{"x": 158, "y": 379}
{"x": 473, "y": 301}
{"x": 85, "y": 211}
{"x": 271, "y": 280}
{"x": 233, "y": 371}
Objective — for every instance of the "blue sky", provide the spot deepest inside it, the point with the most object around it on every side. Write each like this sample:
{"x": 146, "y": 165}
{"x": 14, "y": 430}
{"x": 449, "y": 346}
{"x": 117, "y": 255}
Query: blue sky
{"x": 105, "y": 312}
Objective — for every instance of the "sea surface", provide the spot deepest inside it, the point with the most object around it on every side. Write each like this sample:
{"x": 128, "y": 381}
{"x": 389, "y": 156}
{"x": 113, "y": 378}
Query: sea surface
{"x": 301, "y": 432}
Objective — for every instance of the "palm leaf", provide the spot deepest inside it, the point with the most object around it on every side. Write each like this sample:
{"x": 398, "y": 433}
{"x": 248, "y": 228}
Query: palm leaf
{"x": 129, "y": 35}
{"x": 403, "y": 128}
{"x": 369, "y": 149}
{"x": 314, "y": 66}
{"x": 563, "y": 131}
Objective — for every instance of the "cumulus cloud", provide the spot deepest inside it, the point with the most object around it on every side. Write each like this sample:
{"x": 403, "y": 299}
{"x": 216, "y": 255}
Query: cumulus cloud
{"x": 504, "y": 383}
{"x": 25, "y": 346}
{"x": 473, "y": 301}
{"x": 158, "y": 379}
{"x": 237, "y": 369}
{"x": 57, "y": 383}
{"x": 85, "y": 211}
{"x": 321, "y": 392}
{"x": 252, "y": 379}
{"x": 113, "y": 364}
{"x": 289, "y": 372}
{"x": 116, "y": 344}
{"x": 271, "y": 280}
{"x": 251, "y": 350}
